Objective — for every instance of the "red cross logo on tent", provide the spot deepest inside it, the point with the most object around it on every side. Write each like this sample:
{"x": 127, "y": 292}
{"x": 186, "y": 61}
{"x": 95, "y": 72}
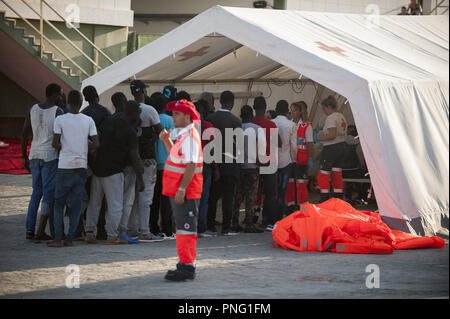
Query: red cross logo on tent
{"x": 330, "y": 49}
{"x": 190, "y": 54}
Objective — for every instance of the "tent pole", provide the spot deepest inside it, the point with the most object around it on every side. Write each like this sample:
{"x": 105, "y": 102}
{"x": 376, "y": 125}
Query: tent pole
{"x": 249, "y": 88}
{"x": 313, "y": 103}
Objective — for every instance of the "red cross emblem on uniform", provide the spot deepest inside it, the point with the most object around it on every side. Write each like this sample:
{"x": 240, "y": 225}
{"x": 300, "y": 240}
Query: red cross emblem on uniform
{"x": 343, "y": 124}
{"x": 190, "y": 54}
{"x": 330, "y": 49}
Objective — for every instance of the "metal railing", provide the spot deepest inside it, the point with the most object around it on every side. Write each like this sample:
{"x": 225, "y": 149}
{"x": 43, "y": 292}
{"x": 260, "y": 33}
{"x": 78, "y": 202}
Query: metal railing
{"x": 40, "y": 14}
{"x": 439, "y": 5}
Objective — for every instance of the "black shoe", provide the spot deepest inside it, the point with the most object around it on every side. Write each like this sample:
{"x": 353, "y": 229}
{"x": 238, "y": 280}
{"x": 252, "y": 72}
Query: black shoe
{"x": 182, "y": 273}
{"x": 252, "y": 229}
{"x": 30, "y": 235}
{"x": 324, "y": 197}
{"x": 236, "y": 229}
{"x": 212, "y": 229}
{"x": 44, "y": 236}
{"x": 102, "y": 236}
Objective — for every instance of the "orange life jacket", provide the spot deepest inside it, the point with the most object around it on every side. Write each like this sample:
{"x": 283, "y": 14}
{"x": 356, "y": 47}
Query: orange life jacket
{"x": 336, "y": 226}
{"x": 175, "y": 168}
{"x": 302, "y": 151}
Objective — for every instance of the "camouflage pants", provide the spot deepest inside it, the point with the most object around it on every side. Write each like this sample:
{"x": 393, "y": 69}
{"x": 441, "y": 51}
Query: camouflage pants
{"x": 247, "y": 190}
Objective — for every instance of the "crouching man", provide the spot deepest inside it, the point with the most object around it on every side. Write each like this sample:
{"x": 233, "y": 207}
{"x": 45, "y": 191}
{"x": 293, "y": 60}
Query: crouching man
{"x": 183, "y": 183}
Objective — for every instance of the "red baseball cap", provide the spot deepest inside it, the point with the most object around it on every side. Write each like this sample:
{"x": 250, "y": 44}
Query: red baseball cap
{"x": 184, "y": 106}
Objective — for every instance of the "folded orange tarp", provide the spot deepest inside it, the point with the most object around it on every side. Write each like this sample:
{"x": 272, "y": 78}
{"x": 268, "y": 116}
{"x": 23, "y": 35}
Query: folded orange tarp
{"x": 336, "y": 226}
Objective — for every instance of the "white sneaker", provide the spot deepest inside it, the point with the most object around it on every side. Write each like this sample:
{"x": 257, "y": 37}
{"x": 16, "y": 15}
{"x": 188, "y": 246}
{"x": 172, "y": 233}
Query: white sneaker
{"x": 229, "y": 233}
{"x": 269, "y": 228}
{"x": 171, "y": 237}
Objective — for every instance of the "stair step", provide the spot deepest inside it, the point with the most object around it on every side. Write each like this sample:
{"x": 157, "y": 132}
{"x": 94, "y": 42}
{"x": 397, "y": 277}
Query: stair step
{"x": 34, "y": 42}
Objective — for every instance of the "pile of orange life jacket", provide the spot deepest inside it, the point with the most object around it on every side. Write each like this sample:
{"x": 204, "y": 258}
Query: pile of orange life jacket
{"x": 336, "y": 226}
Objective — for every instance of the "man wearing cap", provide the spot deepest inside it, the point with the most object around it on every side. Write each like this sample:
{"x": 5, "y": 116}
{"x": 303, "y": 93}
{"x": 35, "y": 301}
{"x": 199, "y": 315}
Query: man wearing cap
{"x": 183, "y": 183}
{"x": 148, "y": 132}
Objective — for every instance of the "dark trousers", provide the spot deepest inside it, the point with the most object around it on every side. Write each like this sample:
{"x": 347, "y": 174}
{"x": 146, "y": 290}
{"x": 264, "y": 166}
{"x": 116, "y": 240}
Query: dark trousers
{"x": 270, "y": 185}
{"x": 160, "y": 207}
{"x": 225, "y": 187}
{"x": 360, "y": 188}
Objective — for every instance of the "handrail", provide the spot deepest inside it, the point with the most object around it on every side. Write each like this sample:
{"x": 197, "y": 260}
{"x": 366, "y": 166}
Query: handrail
{"x": 40, "y": 14}
{"x": 439, "y": 6}
{"x": 62, "y": 34}
{"x": 79, "y": 32}
{"x": 47, "y": 39}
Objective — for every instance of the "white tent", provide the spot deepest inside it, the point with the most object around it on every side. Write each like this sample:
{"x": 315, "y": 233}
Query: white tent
{"x": 392, "y": 69}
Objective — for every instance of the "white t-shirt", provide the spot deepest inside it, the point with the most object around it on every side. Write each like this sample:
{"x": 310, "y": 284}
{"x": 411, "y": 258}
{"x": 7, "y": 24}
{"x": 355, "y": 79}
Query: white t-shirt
{"x": 288, "y": 133}
{"x": 75, "y": 130}
{"x": 338, "y": 121}
{"x": 149, "y": 115}
{"x": 190, "y": 148}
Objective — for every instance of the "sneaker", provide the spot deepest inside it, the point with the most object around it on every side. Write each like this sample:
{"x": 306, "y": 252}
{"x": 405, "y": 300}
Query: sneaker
{"x": 228, "y": 232}
{"x": 134, "y": 235}
{"x": 252, "y": 229}
{"x": 90, "y": 238}
{"x": 182, "y": 273}
{"x": 269, "y": 227}
{"x": 149, "y": 238}
{"x": 68, "y": 243}
{"x": 203, "y": 235}
{"x": 30, "y": 235}
{"x": 55, "y": 243}
{"x": 171, "y": 237}
{"x": 209, "y": 233}
{"x": 115, "y": 241}
{"x": 128, "y": 239}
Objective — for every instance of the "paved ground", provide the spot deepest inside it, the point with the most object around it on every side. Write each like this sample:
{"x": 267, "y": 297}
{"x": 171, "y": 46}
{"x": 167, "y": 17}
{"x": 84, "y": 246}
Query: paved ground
{"x": 243, "y": 266}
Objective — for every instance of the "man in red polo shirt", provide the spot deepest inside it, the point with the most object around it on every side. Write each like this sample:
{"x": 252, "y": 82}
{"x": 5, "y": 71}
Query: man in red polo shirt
{"x": 269, "y": 213}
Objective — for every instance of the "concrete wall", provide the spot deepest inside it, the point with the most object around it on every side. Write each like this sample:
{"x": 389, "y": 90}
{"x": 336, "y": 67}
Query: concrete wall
{"x": 176, "y": 7}
{"x": 347, "y": 6}
{"x": 105, "y": 12}
{"x": 13, "y": 107}
{"x": 186, "y": 7}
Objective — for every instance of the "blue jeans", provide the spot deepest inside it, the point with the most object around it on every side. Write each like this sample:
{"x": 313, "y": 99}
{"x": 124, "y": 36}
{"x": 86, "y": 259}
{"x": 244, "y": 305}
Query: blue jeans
{"x": 69, "y": 181}
{"x": 43, "y": 181}
{"x": 203, "y": 210}
{"x": 283, "y": 180}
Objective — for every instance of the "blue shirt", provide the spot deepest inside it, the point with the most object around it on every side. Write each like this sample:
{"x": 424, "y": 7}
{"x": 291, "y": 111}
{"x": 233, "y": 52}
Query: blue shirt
{"x": 160, "y": 149}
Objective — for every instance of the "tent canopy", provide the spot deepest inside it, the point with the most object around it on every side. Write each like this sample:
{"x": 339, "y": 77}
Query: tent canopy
{"x": 392, "y": 69}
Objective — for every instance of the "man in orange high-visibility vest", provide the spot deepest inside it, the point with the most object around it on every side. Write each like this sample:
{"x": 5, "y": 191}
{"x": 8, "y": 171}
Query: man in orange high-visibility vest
{"x": 183, "y": 183}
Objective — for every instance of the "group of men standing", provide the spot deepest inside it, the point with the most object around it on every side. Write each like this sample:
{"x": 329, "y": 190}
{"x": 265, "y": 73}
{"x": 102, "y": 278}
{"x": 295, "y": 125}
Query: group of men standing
{"x": 117, "y": 153}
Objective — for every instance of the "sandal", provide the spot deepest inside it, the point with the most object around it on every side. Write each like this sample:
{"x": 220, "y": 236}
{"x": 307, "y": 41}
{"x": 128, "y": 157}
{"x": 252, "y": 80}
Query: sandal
{"x": 56, "y": 244}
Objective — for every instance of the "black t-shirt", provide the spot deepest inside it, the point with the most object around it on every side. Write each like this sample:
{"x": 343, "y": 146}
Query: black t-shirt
{"x": 98, "y": 113}
{"x": 222, "y": 120}
{"x": 117, "y": 138}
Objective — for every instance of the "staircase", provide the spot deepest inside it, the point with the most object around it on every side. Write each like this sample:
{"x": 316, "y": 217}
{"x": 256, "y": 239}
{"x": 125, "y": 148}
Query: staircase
{"x": 47, "y": 59}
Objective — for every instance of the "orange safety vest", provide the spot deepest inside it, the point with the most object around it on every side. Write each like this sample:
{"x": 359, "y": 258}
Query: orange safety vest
{"x": 302, "y": 151}
{"x": 175, "y": 168}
